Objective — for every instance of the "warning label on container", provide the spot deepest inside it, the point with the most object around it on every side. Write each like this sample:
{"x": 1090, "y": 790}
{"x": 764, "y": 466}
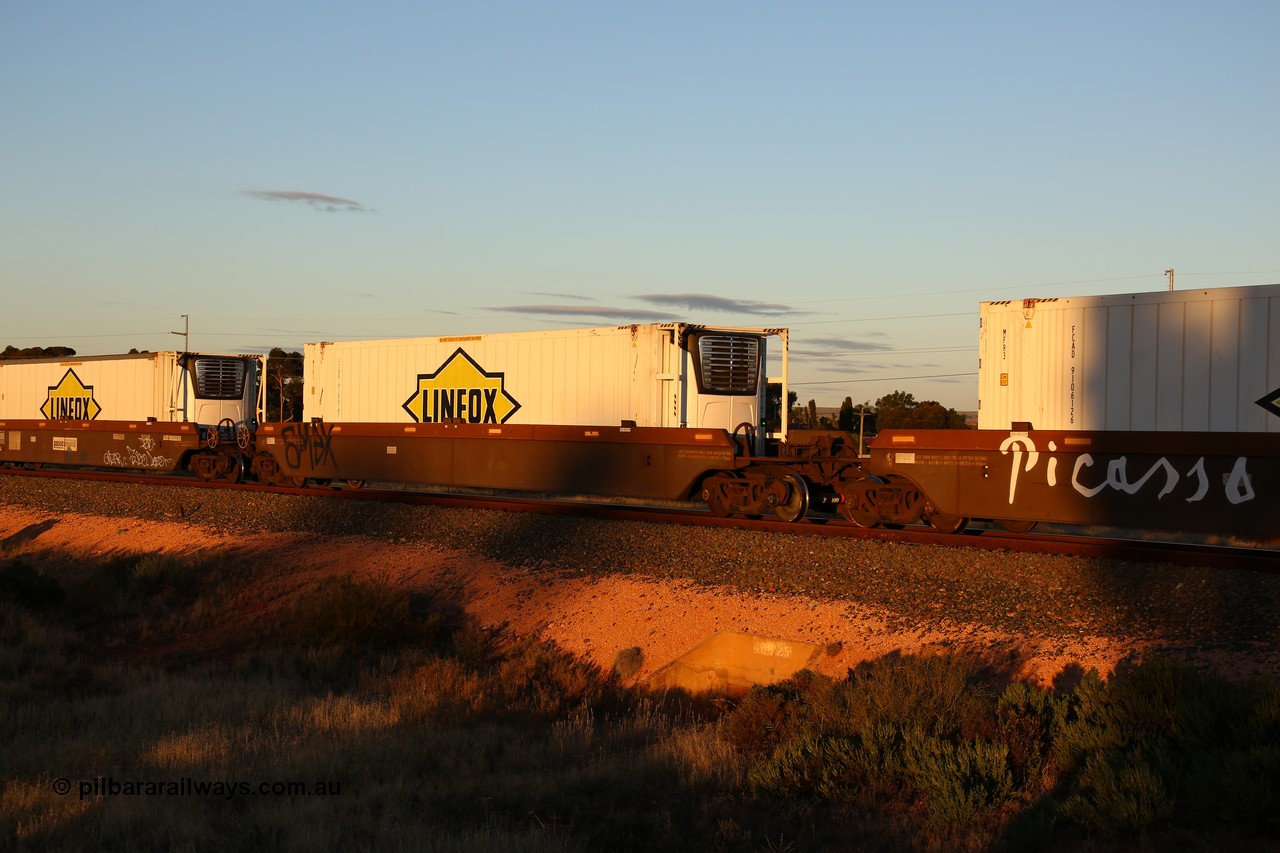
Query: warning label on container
{"x": 1271, "y": 402}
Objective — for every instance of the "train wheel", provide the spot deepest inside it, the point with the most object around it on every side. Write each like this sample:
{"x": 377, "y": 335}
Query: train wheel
{"x": 355, "y": 484}
{"x": 202, "y": 465}
{"x": 234, "y": 470}
{"x": 858, "y": 504}
{"x": 947, "y": 523}
{"x": 1016, "y": 525}
{"x": 797, "y": 503}
{"x": 715, "y": 500}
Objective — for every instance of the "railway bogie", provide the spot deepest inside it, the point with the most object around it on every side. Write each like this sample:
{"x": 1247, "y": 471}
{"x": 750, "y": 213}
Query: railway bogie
{"x": 756, "y": 492}
{"x": 871, "y": 501}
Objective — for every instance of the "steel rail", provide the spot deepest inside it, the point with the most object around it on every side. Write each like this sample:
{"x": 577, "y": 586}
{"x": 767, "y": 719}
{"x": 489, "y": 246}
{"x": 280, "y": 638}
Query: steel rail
{"x": 1256, "y": 559}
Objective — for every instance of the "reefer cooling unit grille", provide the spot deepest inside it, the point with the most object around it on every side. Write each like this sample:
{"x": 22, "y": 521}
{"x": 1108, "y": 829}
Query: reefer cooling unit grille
{"x": 727, "y": 364}
{"x": 219, "y": 378}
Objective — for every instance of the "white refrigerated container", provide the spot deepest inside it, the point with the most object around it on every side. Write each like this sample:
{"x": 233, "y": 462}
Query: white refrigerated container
{"x": 1183, "y": 360}
{"x": 165, "y": 386}
{"x": 665, "y": 375}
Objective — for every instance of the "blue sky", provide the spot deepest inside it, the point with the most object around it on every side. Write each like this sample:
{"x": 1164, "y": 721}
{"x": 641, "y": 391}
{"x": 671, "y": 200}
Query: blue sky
{"x": 862, "y": 173}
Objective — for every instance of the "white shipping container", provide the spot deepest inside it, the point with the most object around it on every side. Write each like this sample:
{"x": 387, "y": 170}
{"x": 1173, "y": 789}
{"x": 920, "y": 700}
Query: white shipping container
{"x": 131, "y": 387}
{"x": 664, "y": 375}
{"x": 1183, "y": 360}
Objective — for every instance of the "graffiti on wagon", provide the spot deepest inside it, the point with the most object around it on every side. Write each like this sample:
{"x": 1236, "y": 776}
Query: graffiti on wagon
{"x": 1092, "y": 476}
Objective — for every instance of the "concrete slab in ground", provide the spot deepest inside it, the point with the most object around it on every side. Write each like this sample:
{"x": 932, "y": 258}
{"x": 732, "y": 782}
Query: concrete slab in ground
{"x": 731, "y": 663}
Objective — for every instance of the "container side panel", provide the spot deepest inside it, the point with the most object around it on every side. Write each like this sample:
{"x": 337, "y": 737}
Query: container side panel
{"x": 1026, "y": 365}
{"x": 1252, "y": 359}
{"x": 1224, "y": 367}
{"x": 93, "y": 388}
{"x": 1011, "y": 369}
{"x": 1059, "y": 383}
{"x": 1029, "y": 343}
{"x": 1119, "y": 368}
{"x": 1092, "y": 351}
{"x": 1057, "y": 357}
{"x": 1146, "y": 355}
{"x": 1273, "y": 361}
{"x": 1196, "y": 360}
{"x": 1169, "y": 385}
{"x": 986, "y": 391}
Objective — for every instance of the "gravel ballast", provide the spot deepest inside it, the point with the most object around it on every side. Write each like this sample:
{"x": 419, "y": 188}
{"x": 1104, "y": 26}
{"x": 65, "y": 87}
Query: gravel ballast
{"x": 1184, "y": 610}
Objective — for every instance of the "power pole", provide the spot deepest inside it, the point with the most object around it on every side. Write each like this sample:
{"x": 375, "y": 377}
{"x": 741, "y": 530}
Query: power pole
{"x": 1169, "y": 272}
{"x": 186, "y": 333}
{"x": 862, "y": 418}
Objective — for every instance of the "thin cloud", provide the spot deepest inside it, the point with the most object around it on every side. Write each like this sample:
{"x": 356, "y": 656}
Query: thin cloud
{"x": 600, "y": 312}
{"x": 836, "y": 353}
{"x": 708, "y": 302}
{"x": 561, "y": 295}
{"x": 843, "y": 346}
{"x": 316, "y": 201}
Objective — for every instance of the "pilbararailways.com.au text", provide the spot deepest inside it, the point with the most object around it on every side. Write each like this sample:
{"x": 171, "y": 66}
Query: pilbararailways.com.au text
{"x": 108, "y": 786}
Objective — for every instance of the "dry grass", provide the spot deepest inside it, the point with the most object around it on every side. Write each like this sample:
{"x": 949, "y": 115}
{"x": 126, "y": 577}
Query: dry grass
{"x": 430, "y": 733}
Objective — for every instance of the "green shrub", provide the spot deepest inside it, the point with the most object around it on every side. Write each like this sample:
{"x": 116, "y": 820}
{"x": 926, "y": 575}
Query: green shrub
{"x": 539, "y": 678}
{"x": 937, "y": 694}
{"x": 754, "y": 725}
{"x": 1123, "y": 795}
{"x": 1028, "y": 719}
{"x": 1162, "y": 743}
{"x": 858, "y": 768}
{"x": 962, "y": 780}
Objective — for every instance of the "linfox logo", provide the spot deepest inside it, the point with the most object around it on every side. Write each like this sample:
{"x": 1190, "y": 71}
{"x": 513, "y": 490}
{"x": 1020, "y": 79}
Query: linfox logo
{"x": 461, "y": 391}
{"x": 70, "y": 400}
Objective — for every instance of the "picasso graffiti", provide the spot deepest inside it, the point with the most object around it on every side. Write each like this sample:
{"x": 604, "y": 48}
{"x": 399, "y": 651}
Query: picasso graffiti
{"x": 1092, "y": 476}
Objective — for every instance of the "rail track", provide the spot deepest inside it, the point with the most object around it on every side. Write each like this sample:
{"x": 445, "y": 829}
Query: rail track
{"x": 1114, "y": 545}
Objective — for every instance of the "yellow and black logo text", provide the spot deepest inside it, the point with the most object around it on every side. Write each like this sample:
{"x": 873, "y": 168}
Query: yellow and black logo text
{"x": 461, "y": 392}
{"x": 70, "y": 400}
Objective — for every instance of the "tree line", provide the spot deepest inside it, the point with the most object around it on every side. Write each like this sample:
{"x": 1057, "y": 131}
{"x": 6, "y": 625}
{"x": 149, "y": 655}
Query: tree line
{"x": 897, "y": 410}
{"x": 36, "y": 352}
